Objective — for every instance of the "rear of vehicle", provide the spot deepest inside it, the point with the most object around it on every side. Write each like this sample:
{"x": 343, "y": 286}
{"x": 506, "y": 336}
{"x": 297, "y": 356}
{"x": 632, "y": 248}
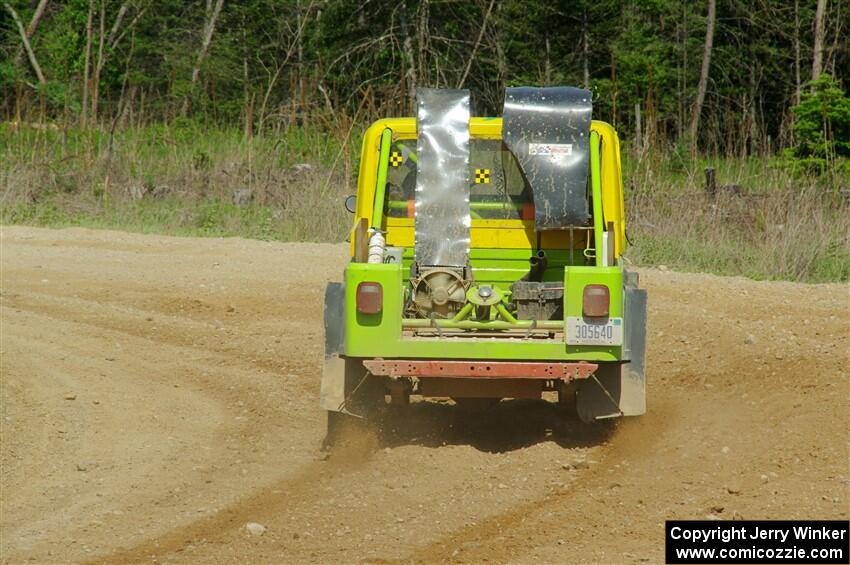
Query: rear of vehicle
{"x": 486, "y": 263}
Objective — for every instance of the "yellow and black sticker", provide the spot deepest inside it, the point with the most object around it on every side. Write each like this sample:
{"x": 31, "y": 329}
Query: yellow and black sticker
{"x": 396, "y": 159}
{"x": 482, "y": 176}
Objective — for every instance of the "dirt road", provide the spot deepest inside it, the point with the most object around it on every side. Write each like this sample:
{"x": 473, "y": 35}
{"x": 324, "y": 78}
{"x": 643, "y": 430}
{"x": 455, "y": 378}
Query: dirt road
{"x": 160, "y": 393}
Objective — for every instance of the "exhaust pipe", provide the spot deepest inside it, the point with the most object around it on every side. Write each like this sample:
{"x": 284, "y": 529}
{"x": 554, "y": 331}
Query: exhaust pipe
{"x": 538, "y": 263}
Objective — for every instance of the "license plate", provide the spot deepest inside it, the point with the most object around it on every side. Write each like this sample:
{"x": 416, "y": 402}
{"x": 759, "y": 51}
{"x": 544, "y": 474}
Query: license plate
{"x": 588, "y": 331}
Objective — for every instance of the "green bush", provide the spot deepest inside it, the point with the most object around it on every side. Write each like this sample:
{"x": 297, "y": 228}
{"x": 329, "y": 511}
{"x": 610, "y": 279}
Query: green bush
{"x": 822, "y": 124}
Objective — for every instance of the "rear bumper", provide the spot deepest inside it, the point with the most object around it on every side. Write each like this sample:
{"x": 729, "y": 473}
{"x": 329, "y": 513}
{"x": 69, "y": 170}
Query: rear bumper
{"x": 502, "y": 368}
{"x": 480, "y": 369}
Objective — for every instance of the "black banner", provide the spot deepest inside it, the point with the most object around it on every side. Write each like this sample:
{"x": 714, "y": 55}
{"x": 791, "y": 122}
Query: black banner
{"x": 757, "y": 541}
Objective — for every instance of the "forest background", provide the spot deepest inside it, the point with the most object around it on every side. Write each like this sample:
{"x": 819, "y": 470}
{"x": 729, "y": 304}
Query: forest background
{"x": 226, "y": 117}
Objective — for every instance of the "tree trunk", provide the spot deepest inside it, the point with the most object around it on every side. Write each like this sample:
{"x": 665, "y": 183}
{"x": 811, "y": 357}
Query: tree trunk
{"x": 585, "y": 49}
{"x": 140, "y": 120}
{"x": 299, "y": 53}
{"x": 116, "y": 25}
{"x": 247, "y": 98}
{"x": 95, "y": 95}
{"x": 682, "y": 80}
{"x": 209, "y": 28}
{"x": 817, "y": 59}
{"x": 33, "y": 25}
{"x": 115, "y": 37}
{"x": 477, "y": 43}
{"x": 126, "y": 114}
{"x": 613, "y": 90}
{"x": 830, "y": 55}
{"x": 26, "y": 42}
{"x": 501, "y": 63}
{"x": 638, "y": 130}
{"x": 422, "y": 41}
{"x": 84, "y": 111}
{"x": 706, "y": 65}
{"x": 249, "y": 118}
{"x": 407, "y": 45}
{"x": 797, "y": 85}
{"x": 273, "y": 79}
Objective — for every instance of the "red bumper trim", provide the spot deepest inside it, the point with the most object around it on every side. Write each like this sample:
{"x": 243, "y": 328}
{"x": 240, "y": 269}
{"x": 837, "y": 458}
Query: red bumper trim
{"x": 484, "y": 369}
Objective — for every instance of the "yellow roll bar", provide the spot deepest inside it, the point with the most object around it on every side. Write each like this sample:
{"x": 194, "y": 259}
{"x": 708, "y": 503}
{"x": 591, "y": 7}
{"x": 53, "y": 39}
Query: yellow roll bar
{"x": 492, "y": 234}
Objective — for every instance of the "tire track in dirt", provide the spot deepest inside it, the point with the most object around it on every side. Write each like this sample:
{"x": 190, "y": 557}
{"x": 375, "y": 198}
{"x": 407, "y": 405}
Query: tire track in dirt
{"x": 189, "y": 333}
{"x": 357, "y": 456}
{"x": 94, "y": 303}
{"x": 288, "y": 493}
{"x": 514, "y": 531}
{"x": 89, "y": 440}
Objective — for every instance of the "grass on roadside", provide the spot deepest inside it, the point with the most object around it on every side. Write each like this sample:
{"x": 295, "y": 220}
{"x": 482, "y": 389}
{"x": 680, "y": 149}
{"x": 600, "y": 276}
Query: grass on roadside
{"x": 184, "y": 180}
{"x": 192, "y": 180}
{"x": 767, "y": 221}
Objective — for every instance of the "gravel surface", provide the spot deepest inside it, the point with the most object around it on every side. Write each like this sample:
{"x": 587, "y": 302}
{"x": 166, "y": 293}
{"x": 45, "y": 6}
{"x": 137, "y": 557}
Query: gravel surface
{"x": 160, "y": 402}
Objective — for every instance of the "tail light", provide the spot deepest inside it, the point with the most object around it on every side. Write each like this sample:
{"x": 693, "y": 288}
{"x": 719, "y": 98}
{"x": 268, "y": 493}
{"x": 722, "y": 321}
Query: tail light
{"x": 596, "y": 300}
{"x": 370, "y": 297}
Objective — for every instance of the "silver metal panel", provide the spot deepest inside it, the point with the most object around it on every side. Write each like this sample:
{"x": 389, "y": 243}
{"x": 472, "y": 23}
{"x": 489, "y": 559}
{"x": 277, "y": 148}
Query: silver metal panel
{"x": 633, "y": 386}
{"x": 332, "y": 395}
{"x": 442, "y": 178}
{"x": 334, "y": 318}
{"x": 547, "y": 130}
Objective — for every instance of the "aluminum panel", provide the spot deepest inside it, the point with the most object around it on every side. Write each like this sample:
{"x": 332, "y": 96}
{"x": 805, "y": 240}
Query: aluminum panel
{"x": 442, "y": 178}
{"x": 332, "y": 395}
{"x": 547, "y": 130}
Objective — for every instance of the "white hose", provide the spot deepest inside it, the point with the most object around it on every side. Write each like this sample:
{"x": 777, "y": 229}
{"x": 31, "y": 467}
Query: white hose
{"x": 377, "y": 246}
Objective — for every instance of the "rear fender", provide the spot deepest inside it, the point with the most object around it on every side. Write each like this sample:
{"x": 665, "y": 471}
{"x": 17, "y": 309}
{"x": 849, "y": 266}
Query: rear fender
{"x": 619, "y": 389}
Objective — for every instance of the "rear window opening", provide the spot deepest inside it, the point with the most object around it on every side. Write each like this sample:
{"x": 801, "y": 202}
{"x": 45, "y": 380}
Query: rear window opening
{"x": 498, "y": 190}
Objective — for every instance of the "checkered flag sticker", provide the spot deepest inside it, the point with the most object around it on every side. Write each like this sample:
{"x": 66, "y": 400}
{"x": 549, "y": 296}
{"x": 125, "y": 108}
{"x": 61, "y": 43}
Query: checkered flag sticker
{"x": 482, "y": 176}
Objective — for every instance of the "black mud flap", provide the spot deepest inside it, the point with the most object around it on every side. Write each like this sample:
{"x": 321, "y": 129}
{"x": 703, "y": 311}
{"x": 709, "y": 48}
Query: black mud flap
{"x": 347, "y": 386}
{"x": 332, "y": 395}
{"x": 619, "y": 389}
